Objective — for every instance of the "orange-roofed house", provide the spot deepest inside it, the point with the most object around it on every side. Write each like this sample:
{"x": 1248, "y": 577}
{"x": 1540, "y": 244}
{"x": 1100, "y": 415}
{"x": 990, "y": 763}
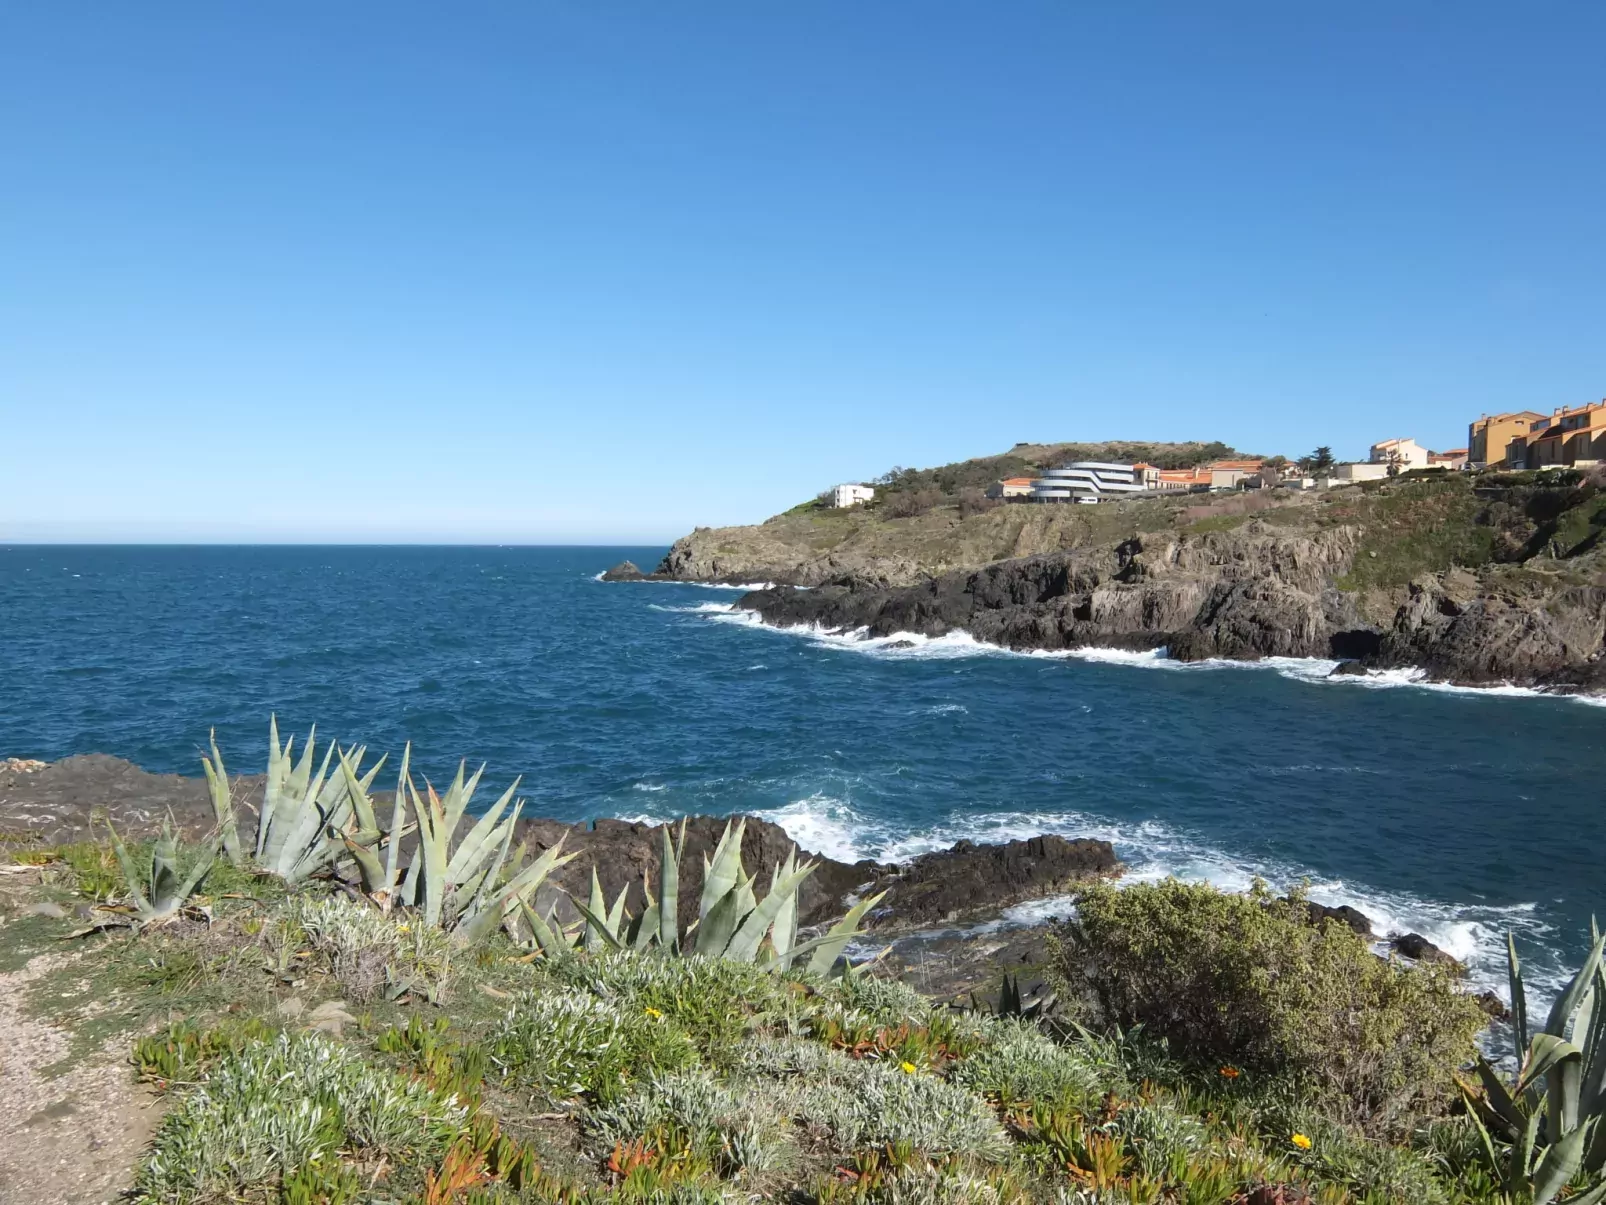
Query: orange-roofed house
{"x": 1011, "y": 487}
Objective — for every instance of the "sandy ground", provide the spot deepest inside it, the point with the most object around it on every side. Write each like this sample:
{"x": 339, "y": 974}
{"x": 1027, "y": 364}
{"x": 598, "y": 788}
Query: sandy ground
{"x": 73, "y": 1139}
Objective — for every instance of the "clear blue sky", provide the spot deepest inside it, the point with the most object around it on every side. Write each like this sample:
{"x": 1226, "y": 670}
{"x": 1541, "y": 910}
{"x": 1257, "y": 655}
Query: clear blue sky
{"x": 526, "y": 271}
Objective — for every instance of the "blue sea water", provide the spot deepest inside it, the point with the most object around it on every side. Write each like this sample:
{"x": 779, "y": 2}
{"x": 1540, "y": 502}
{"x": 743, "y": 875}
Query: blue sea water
{"x": 1454, "y": 814}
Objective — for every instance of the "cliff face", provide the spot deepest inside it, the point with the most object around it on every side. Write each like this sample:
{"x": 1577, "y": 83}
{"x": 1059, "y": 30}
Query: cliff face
{"x": 1244, "y": 593}
{"x": 1476, "y": 580}
{"x": 818, "y": 546}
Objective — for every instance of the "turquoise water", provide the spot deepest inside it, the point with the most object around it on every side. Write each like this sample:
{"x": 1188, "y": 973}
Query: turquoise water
{"x": 1455, "y": 814}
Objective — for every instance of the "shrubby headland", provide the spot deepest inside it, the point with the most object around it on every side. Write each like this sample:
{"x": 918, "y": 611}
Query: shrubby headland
{"x": 1473, "y": 577}
{"x": 336, "y": 981}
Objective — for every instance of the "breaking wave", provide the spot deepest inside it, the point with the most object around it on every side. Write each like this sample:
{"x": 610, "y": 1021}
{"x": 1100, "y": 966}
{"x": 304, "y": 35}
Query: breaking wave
{"x": 1152, "y": 851}
{"x": 959, "y": 643}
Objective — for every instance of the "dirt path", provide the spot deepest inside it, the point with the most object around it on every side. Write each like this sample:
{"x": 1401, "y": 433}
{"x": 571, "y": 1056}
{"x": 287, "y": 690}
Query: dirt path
{"x": 73, "y": 1139}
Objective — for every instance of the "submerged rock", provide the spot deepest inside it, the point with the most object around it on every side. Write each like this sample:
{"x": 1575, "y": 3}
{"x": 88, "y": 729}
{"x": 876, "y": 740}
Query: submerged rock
{"x": 1420, "y": 949}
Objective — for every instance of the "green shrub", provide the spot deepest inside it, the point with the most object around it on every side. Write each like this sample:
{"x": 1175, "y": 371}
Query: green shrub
{"x": 273, "y": 1108}
{"x": 1247, "y": 983}
{"x": 860, "y": 1103}
{"x": 715, "y": 1000}
{"x": 1019, "y": 1063}
{"x": 370, "y": 953}
{"x": 693, "y": 1115}
{"x": 567, "y": 1043}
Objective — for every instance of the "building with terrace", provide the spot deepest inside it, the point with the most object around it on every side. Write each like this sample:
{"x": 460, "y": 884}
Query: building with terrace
{"x": 1087, "y": 481}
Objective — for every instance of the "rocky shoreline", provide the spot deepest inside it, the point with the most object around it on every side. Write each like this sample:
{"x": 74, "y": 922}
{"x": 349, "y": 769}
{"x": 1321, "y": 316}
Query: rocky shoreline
{"x": 1473, "y": 580}
{"x": 941, "y": 921}
{"x": 1236, "y": 596}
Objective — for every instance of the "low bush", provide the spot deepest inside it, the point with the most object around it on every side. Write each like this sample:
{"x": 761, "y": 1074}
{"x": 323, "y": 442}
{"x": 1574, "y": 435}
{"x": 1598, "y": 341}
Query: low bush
{"x": 566, "y": 1043}
{"x": 371, "y": 954}
{"x": 1247, "y": 983}
{"x": 691, "y": 1116}
{"x": 1018, "y": 1063}
{"x": 272, "y": 1109}
{"x": 714, "y": 1000}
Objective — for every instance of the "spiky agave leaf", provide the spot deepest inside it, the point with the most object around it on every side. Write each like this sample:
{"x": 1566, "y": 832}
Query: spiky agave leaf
{"x": 669, "y": 888}
{"x": 826, "y": 950}
{"x": 217, "y": 781}
{"x": 743, "y": 945}
{"x": 482, "y": 922}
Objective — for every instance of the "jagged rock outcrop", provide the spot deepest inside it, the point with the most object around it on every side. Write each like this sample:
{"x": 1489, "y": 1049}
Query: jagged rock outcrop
{"x": 1453, "y": 626}
{"x": 970, "y": 878}
{"x": 1247, "y": 593}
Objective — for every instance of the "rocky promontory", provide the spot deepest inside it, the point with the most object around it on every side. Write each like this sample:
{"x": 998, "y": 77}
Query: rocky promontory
{"x": 1470, "y": 579}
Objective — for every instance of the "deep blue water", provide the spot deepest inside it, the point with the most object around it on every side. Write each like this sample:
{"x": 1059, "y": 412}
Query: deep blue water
{"x": 1455, "y": 814}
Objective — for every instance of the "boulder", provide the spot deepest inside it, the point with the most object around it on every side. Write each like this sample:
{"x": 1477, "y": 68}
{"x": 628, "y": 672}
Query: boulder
{"x": 1347, "y": 669}
{"x": 1493, "y": 1005}
{"x": 970, "y": 878}
{"x": 1419, "y": 949}
{"x": 624, "y": 571}
{"x": 1343, "y": 914}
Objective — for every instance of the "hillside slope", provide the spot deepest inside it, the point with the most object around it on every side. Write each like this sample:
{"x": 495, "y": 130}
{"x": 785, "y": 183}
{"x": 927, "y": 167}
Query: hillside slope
{"x": 1473, "y": 579}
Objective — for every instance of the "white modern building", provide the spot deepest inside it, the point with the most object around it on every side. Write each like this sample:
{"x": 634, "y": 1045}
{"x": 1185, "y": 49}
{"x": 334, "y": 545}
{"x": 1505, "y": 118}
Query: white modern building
{"x": 845, "y": 496}
{"x": 1087, "y": 481}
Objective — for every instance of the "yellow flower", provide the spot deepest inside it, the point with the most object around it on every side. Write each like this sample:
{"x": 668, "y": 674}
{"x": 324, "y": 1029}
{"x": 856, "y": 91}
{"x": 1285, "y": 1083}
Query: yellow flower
{"x": 654, "y": 1013}
{"x": 403, "y": 928}
{"x": 908, "y": 1068}
{"x": 1302, "y": 1142}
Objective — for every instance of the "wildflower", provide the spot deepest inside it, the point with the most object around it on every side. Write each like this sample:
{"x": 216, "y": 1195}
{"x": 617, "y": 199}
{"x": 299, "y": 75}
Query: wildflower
{"x": 1302, "y": 1142}
{"x": 653, "y": 1013}
{"x": 403, "y": 928}
{"x": 1230, "y": 1073}
{"x": 908, "y": 1068}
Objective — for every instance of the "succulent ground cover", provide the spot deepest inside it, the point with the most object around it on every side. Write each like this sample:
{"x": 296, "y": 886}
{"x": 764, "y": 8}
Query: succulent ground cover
{"x": 373, "y": 1012}
{"x": 288, "y": 1072}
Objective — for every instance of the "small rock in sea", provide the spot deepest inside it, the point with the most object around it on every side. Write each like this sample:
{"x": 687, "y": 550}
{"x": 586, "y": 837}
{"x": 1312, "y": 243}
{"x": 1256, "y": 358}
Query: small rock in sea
{"x": 1493, "y": 1005}
{"x": 1348, "y": 668}
{"x": 624, "y": 571}
{"x": 1420, "y": 949}
{"x": 1343, "y": 914}
{"x": 901, "y": 644}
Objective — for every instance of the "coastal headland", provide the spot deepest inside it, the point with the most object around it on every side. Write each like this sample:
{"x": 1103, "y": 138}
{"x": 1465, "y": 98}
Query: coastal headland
{"x": 1475, "y": 579}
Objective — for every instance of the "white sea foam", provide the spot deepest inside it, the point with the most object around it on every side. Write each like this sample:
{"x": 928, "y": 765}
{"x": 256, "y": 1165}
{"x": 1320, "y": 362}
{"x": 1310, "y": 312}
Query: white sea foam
{"x": 653, "y": 787}
{"x": 1152, "y": 851}
{"x": 946, "y": 709}
{"x": 959, "y": 643}
{"x": 707, "y": 608}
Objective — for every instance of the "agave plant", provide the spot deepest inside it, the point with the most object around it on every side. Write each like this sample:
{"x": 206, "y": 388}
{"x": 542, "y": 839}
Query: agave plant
{"x": 732, "y": 921}
{"x": 1552, "y": 1117}
{"x": 308, "y": 820}
{"x": 312, "y": 820}
{"x": 158, "y": 895}
{"x": 461, "y": 887}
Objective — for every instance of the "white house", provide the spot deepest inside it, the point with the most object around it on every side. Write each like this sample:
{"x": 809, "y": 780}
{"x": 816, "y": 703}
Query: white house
{"x": 845, "y": 496}
{"x": 1365, "y": 471}
{"x": 1406, "y": 453}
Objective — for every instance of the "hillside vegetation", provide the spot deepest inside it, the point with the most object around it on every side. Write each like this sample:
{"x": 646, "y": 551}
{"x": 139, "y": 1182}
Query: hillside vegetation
{"x": 305, "y": 1043}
